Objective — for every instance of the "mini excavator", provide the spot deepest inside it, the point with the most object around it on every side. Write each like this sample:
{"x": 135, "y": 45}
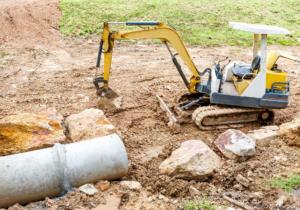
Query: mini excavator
{"x": 235, "y": 94}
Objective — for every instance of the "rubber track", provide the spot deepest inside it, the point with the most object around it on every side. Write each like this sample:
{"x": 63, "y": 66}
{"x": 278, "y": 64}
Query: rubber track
{"x": 214, "y": 111}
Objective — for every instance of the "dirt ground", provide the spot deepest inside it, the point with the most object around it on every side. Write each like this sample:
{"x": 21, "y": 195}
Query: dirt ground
{"x": 40, "y": 69}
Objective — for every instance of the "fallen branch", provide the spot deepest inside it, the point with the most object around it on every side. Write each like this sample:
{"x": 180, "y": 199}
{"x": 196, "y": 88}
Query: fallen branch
{"x": 164, "y": 106}
{"x": 237, "y": 203}
{"x": 146, "y": 79}
{"x": 113, "y": 112}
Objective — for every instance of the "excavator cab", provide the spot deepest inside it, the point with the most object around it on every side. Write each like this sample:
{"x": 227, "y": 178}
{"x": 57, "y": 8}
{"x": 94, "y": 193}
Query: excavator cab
{"x": 259, "y": 84}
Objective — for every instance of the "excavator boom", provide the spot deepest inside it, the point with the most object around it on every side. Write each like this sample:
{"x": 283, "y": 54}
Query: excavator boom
{"x": 150, "y": 30}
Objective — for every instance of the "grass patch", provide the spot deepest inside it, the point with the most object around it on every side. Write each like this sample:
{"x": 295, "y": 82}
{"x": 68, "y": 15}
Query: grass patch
{"x": 199, "y": 204}
{"x": 201, "y": 22}
{"x": 288, "y": 184}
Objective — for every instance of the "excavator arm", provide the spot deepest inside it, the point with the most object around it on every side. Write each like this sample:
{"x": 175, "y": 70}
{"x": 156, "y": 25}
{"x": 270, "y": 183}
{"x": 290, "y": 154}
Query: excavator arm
{"x": 153, "y": 30}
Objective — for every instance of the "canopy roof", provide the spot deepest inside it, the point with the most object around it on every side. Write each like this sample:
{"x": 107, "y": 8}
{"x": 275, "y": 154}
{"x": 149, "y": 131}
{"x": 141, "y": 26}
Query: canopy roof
{"x": 258, "y": 28}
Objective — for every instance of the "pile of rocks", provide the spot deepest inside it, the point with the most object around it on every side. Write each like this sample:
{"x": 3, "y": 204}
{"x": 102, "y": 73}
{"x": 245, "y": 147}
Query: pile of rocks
{"x": 27, "y": 131}
{"x": 195, "y": 160}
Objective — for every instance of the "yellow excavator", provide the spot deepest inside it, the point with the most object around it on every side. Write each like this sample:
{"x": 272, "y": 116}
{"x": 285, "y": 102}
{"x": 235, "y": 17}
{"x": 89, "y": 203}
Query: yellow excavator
{"x": 220, "y": 97}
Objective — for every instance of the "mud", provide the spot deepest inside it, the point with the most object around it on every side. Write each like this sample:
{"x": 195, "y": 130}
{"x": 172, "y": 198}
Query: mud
{"x": 41, "y": 69}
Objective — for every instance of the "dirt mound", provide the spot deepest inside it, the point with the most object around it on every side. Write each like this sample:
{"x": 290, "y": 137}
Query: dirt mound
{"x": 29, "y": 21}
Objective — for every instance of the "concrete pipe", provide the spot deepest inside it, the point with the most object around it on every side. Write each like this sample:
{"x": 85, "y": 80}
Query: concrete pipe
{"x": 34, "y": 175}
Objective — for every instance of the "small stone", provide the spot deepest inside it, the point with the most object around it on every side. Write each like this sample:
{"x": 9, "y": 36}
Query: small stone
{"x": 103, "y": 185}
{"x": 117, "y": 102}
{"x": 192, "y": 160}
{"x": 259, "y": 195}
{"x": 242, "y": 180}
{"x": 280, "y": 157}
{"x": 88, "y": 189}
{"x": 175, "y": 201}
{"x": 280, "y": 201}
{"x": 131, "y": 185}
{"x": 277, "y": 158}
{"x": 238, "y": 187}
{"x": 234, "y": 143}
{"x": 49, "y": 202}
{"x": 250, "y": 174}
{"x": 151, "y": 198}
{"x": 87, "y": 124}
{"x": 163, "y": 198}
{"x": 85, "y": 99}
{"x": 193, "y": 191}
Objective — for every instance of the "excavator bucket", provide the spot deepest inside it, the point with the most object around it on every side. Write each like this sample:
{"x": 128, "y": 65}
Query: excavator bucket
{"x": 106, "y": 103}
{"x": 108, "y": 99}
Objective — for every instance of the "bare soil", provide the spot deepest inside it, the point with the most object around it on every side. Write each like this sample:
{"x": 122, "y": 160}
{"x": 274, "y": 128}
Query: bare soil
{"x": 26, "y": 22}
{"x": 41, "y": 69}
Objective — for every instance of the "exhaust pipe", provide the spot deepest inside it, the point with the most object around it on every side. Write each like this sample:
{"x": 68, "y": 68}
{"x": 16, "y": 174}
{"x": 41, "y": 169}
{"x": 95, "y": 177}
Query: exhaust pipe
{"x": 32, "y": 176}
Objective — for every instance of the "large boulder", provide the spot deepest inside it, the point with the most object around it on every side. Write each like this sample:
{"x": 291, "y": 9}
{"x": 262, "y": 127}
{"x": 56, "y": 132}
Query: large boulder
{"x": 192, "y": 160}
{"x": 264, "y": 135}
{"x": 234, "y": 144}
{"x": 89, "y": 123}
{"x": 26, "y": 131}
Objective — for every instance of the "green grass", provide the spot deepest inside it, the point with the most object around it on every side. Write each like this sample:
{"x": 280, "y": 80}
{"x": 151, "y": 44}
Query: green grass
{"x": 288, "y": 184}
{"x": 201, "y": 22}
{"x": 199, "y": 205}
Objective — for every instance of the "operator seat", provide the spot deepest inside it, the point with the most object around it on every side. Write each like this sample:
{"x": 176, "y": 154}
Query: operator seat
{"x": 242, "y": 70}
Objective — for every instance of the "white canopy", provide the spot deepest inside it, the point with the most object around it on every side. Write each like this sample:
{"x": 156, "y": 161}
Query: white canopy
{"x": 258, "y": 28}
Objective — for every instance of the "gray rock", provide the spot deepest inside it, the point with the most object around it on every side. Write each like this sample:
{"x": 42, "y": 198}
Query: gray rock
{"x": 192, "y": 160}
{"x": 163, "y": 198}
{"x": 131, "y": 185}
{"x": 87, "y": 124}
{"x": 280, "y": 201}
{"x": 88, "y": 189}
{"x": 193, "y": 191}
{"x": 117, "y": 102}
{"x": 242, "y": 180}
{"x": 234, "y": 144}
{"x": 264, "y": 135}
{"x": 259, "y": 195}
